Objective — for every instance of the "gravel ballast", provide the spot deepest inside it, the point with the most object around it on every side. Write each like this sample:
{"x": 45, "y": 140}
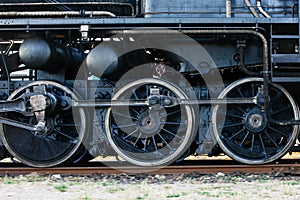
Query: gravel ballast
{"x": 145, "y": 186}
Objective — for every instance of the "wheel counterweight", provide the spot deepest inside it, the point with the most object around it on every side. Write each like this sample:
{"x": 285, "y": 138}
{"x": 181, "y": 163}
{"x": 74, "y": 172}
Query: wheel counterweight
{"x": 243, "y": 131}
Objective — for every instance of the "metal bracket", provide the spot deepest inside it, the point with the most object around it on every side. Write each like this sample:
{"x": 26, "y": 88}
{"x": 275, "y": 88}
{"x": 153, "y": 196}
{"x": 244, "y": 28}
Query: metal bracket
{"x": 38, "y": 105}
{"x": 241, "y": 43}
{"x": 84, "y": 30}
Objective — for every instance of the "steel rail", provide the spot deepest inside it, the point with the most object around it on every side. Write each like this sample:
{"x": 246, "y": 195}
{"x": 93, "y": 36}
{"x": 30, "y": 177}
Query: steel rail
{"x": 203, "y": 169}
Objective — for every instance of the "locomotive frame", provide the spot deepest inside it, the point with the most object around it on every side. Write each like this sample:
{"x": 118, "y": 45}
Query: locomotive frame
{"x": 62, "y": 57}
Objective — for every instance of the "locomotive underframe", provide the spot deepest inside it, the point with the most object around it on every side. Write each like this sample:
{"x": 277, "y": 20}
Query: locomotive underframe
{"x": 270, "y": 66}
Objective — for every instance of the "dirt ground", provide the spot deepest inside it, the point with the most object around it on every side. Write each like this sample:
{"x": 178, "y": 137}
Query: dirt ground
{"x": 143, "y": 186}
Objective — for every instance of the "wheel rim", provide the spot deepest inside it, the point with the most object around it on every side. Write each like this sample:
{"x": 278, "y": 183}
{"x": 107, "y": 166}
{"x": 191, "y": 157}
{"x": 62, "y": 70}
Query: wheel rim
{"x": 58, "y": 144}
{"x": 244, "y": 133}
{"x": 146, "y": 139}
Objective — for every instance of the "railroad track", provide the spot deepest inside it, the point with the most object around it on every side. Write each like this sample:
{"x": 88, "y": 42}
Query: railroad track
{"x": 287, "y": 167}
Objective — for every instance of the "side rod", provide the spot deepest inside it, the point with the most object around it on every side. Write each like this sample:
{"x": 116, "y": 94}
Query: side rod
{"x": 214, "y": 101}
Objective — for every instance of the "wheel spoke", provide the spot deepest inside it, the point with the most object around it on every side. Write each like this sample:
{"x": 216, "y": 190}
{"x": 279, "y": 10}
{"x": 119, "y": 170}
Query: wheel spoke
{"x": 280, "y": 132}
{"x": 147, "y": 91}
{"x": 154, "y": 143}
{"x": 130, "y": 134}
{"x": 241, "y": 109}
{"x": 181, "y": 138}
{"x": 65, "y": 135}
{"x": 137, "y": 139}
{"x": 253, "y": 89}
{"x": 232, "y": 125}
{"x": 237, "y": 133}
{"x": 163, "y": 139}
{"x": 135, "y": 111}
{"x": 145, "y": 143}
{"x": 232, "y": 115}
{"x": 263, "y": 146}
{"x": 134, "y": 94}
{"x": 267, "y": 134}
{"x": 126, "y": 126}
{"x": 169, "y": 114}
{"x": 280, "y": 110}
{"x": 252, "y": 142}
{"x": 244, "y": 139}
{"x": 275, "y": 99}
{"x": 240, "y": 92}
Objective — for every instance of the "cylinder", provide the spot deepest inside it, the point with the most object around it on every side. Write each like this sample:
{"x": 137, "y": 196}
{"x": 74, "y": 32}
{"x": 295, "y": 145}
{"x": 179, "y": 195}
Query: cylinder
{"x": 49, "y": 56}
{"x": 103, "y": 61}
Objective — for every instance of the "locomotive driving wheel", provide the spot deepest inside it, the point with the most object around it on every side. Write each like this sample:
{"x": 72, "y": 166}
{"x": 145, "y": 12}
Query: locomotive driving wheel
{"x": 150, "y": 135}
{"x": 61, "y": 140}
{"x": 243, "y": 131}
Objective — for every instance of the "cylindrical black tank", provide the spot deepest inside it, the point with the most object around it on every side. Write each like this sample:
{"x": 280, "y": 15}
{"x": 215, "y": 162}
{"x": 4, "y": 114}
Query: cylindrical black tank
{"x": 49, "y": 56}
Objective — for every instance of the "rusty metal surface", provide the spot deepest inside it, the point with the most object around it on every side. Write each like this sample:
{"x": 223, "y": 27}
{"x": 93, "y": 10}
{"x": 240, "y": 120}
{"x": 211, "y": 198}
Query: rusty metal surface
{"x": 288, "y": 168}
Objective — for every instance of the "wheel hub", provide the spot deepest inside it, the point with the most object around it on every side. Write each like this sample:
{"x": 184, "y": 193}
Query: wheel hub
{"x": 149, "y": 124}
{"x": 256, "y": 121}
{"x": 49, "y": 126}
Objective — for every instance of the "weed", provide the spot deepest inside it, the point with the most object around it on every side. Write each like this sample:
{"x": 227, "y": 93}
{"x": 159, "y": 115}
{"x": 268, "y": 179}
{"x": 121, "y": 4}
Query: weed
{"x": 297, "y": 182}
{"x": 173, "y": 195}
{"x": 221, "y": 187}
{"x": 226, "y": 193}
{"x": 61, "y": 188}
{"x": 113, "y": 190}
{"x": 104, "y": 183}
{"x": 205, "y": 193}
{"x": 9, "y": 182}
{"x": 262, "y": 181}
{"x": 86, "y": 198}
{"x": 184, "y": 193}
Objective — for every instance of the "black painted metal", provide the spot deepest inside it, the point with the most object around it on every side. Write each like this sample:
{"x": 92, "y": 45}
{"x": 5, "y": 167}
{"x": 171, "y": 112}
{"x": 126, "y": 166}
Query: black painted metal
{"x": 243, "y": 39}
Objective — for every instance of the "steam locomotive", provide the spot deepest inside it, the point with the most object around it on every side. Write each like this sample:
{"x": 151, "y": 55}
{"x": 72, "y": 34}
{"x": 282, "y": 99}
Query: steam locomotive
{"x": 150, "y": 81}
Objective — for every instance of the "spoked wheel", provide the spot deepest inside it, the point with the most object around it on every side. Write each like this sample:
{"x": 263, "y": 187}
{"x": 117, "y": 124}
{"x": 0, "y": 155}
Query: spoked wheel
{"x": 61, "y": 141}
{"x": 243, "y": 131}
{"x": 150, "y": 136}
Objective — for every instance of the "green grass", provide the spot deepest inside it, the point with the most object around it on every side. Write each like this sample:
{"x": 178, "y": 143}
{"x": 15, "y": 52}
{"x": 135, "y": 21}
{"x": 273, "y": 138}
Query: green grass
{"x": 86, "y": 198}
{"x": 116, "y": 189}
{"x": 184, "y": 193}
{"x": 61, "y": 188}
{"x": 297, "y": 182}
{"x": 9, "y": 182}
{"x": 206, "y": 193}
{"x": 173, "y": 195}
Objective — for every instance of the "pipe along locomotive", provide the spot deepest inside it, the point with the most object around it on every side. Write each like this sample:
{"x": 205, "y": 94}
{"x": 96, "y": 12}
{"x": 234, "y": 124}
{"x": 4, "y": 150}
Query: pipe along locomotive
{"x": 150, "y": 81}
